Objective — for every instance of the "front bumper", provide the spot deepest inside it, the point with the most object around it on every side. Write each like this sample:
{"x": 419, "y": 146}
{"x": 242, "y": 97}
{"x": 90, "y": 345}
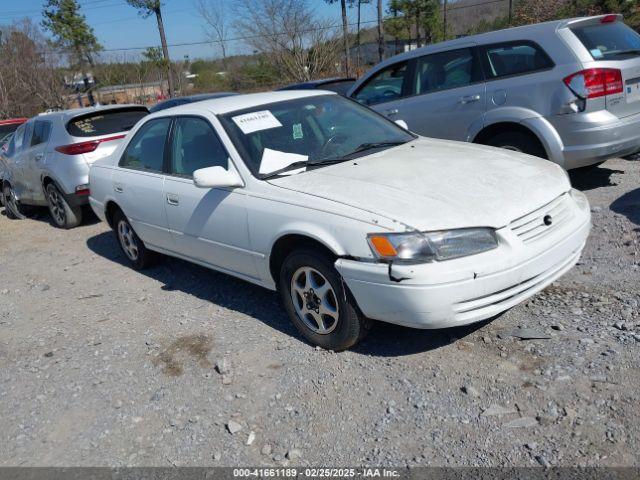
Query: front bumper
{"x": 467, "y": 290}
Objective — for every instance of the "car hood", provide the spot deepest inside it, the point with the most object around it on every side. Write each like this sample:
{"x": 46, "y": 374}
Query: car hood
{"x": 431, "y": 184}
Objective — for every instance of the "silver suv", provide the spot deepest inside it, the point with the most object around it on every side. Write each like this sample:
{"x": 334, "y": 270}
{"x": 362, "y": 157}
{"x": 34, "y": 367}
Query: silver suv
{"x": 567, "y": 90}
{"x": 47, "y": 161}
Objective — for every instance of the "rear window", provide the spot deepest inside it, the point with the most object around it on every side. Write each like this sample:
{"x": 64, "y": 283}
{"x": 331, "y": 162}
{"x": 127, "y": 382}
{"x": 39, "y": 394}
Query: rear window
{"x": 340, "y": 87}
{"x": 7, "y": 129}
{"x": 606, "y": 41}
{"x": 105, "y": 122}
{"x": 515, "y": 58}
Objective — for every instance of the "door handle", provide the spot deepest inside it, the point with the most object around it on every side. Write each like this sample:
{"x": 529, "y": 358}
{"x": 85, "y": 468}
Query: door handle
{"x": 393, "y": 111}
{"x": 39, "y": 157}
{"x": 118, "y": 188}
{"x": 173, "y": 199}
{"x": 470, "y": 99}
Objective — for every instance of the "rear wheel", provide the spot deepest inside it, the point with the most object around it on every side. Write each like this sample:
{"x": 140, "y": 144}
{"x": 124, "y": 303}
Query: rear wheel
{"x": 518, "y": 142}
{"x": 11, "y": 203}
{"x": 318, "y": 303}
{"x": 63, "y": 214}
{"x": 133, "y": 248}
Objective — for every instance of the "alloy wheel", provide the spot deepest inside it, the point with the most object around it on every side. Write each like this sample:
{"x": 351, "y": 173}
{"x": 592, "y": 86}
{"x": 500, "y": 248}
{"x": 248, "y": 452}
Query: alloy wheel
{"x": 55, "y": 205}
{"x": 128, "y": 241}
{"x": 314, "y": 300}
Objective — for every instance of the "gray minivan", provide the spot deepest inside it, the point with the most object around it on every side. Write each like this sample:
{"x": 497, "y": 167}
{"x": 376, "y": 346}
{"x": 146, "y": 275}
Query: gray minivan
{"x": 566, "y": 90}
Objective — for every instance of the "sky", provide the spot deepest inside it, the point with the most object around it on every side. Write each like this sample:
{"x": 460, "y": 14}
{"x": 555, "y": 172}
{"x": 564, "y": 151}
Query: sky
{"x": 118, "y": 26}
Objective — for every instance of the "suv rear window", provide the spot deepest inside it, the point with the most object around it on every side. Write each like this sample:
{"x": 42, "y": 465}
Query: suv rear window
{"x": 105, "y": 122}
{"x": 605, "y": 41}
{"x": 515, "y": 58}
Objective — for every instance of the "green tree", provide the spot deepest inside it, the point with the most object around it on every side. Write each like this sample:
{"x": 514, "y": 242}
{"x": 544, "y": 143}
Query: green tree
{"x": 423, "y": 17}
{"x": 70, "y": 30}
{"x": 146, "y": 8}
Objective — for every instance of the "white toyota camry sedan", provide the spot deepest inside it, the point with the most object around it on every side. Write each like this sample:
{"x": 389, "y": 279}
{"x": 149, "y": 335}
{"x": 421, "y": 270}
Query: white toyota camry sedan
{"x": 349, "y": 216}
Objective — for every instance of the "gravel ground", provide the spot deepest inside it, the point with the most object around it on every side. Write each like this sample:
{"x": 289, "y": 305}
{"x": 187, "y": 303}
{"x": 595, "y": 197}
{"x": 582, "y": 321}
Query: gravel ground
{"x": 104, "y": 366}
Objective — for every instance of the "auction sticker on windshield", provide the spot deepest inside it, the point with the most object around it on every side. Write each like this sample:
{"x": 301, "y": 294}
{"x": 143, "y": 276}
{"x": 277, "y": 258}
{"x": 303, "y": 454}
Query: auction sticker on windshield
{"x": 256, "y": 121}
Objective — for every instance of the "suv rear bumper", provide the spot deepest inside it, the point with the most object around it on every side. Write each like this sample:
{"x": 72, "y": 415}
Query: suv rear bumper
{"x": 591, "y": 138}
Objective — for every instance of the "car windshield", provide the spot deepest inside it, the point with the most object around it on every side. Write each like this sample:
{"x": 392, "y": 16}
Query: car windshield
{"x": 307, "y": 131}
{"x": 608, "y": 40}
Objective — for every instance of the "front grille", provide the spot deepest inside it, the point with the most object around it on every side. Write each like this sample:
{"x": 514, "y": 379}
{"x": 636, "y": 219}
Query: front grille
{"x": 532, "y": 226}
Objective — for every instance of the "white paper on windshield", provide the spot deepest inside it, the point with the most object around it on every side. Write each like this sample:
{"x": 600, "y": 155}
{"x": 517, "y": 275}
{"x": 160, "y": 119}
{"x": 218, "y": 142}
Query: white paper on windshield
{"x": 256, "y": 121}
{"x": 273, "y": 160}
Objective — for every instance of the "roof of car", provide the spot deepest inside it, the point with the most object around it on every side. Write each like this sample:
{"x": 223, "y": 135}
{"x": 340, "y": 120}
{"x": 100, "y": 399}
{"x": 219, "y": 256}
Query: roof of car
{"x": 317, "y": 83}
{"x": 13, "y": 121}
{"x": 232, "y": 103}
{"x": 536, "y": 30}
{"x": 173, "y": 102}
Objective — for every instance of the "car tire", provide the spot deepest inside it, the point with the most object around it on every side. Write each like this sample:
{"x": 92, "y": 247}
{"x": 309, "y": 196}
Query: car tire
{"x": 134, "y": 249}
{"x": 518, "y": 142}
{"x": 12, "y": 206}
{"x": 318, "y": 302}
{"x": 63, "y": 215}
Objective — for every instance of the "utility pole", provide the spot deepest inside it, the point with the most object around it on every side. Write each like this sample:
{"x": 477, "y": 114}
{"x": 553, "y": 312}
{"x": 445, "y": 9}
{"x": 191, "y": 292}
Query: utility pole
{"x": 444, "y": 23}
{"x": 380, "y": 32}
{"x": 510, "y": 10}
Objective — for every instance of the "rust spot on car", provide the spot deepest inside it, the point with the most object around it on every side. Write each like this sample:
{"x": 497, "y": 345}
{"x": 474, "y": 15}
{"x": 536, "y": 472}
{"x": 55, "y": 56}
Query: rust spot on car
{"x": 192, "y": 346}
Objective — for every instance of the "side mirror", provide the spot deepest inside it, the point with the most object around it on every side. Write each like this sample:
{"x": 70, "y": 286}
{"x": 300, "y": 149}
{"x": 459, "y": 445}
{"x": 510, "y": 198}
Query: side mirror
{"x": 402, "y": 124}
{"x": 213, "y": 177}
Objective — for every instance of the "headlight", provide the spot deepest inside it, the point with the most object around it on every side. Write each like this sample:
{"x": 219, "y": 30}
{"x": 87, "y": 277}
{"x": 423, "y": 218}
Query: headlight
{"x": 421, "y": 247}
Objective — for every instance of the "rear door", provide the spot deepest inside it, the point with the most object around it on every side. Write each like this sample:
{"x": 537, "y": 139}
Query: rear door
{"x": 612, "y": 44}
{"x": 138, "y": 183}
{"x": 447, "y": 94}
{"x": 33, "y": 158}
{"x": 207, "y": 224}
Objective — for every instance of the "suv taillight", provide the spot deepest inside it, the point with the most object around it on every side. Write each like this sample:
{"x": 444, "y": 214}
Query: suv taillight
{"x": 85, "y": 147}
{"x": 595, "y": 82}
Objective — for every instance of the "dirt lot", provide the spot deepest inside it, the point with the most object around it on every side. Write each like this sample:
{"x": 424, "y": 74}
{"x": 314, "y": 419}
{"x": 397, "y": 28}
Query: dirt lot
{"x": 102, "y": 365}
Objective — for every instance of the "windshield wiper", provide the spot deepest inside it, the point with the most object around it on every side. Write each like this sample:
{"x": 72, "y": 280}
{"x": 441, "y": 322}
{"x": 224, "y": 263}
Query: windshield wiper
{"x": 292, "y": 166}
{"x": 371, "y": 145}
{"x": 633, "y": 51}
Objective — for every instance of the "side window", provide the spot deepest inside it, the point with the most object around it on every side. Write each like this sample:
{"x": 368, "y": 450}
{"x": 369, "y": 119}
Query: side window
{"x": 196, "y": 145}
{"x": 514, "y": 58}
{"x": 146, "y": 149}
{"x": 384, "y": 86}
{"x": 41, "y": 132}
{"x": 17, "y": 140}
{"x": 445, "y": 70}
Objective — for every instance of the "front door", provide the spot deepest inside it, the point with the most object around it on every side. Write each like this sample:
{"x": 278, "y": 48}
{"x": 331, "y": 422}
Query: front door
{"x": 207, "y": 224}
{"x": 138, "y": 183}
{"x": 447, "y": 95}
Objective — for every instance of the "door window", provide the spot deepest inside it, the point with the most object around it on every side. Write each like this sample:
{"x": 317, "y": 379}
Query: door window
{"x": 146, "y": 149}
{"x": 445, "y": 70}
{"x": 515, "y": 58}
{"x": 41, "y": 132}
{"x": 384, "y": 86}
{"x": 196, "y": 145}
{"x": 16, "y": 142}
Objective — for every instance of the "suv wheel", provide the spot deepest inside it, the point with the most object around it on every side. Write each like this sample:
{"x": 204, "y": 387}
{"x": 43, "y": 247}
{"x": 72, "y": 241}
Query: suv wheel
{"x": 64, "y": 215}
{"x": 318, "y": 303}
{"x": 11, "y": 203}
{"x": 133, "y": 248}
{"x": 518, "y": 142}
